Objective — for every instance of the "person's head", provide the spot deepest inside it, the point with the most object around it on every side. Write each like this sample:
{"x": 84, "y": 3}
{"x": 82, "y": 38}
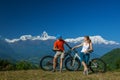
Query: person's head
{"x": 59, "y": 37}
{"x": 87, "y": 39}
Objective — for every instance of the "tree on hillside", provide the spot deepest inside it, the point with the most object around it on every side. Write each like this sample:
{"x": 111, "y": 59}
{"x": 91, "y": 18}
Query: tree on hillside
{"x": 117, "y": 63}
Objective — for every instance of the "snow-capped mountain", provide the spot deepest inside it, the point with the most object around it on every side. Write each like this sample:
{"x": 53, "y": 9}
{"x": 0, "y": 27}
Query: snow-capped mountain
{"x": 44, "y": 36}
{"x": 95, "y": 39}
{"x": 32, "y": 48}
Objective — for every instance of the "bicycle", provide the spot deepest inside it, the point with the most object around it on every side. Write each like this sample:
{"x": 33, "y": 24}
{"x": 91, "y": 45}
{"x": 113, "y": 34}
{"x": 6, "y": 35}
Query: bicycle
{"x": 95, "y": 64}
{"x": 46, "y": 63}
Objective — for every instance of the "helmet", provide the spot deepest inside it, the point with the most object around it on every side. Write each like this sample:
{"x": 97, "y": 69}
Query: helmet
{"x": 58, "y": 37}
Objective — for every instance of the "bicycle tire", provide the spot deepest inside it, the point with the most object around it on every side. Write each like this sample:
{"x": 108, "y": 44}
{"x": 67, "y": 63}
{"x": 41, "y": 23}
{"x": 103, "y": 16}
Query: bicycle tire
{"x": 70, "y": 67}
{"x": 46, "y": 63}
{"x": 97, "y": 65}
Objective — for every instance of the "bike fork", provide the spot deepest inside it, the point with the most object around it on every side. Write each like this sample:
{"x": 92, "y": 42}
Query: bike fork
{"x": 73, "y": 61}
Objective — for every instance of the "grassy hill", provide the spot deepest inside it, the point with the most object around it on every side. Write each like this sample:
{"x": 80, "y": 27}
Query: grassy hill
{"x": 65, "y": 75}
{"x": 112, "y": 59}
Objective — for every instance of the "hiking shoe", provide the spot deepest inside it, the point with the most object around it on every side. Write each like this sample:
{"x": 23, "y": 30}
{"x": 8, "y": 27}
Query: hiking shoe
{"x": 85, "y": 72}
{"x": 60, "y": 71}
{"x": 53, "y": 70}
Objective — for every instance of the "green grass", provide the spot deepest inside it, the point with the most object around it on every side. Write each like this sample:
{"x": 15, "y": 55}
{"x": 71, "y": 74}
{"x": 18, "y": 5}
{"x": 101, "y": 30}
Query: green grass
{"x": 65, "y": 75}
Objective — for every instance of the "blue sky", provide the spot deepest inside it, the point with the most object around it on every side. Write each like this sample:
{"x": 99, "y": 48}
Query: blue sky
{"x": 70, "y": 18}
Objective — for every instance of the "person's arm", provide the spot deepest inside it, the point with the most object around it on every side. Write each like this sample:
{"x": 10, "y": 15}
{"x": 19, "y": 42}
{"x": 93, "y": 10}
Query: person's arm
{"x": 77, "y": 46}
{"x": 55, "y": 47}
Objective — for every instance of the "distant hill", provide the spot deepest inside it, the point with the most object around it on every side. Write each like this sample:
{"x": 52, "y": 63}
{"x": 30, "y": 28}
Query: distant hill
{"x": 6, "y": 52}
{"x": 112, "y": 58}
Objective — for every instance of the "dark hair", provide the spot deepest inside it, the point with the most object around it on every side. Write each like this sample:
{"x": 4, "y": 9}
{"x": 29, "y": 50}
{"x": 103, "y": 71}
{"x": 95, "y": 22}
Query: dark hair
{"x": 88, "y": 38}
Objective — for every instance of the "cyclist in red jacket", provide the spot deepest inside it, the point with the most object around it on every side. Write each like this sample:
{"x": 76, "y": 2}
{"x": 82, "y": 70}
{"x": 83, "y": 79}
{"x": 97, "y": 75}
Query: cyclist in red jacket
{"x": 59, "y": 48}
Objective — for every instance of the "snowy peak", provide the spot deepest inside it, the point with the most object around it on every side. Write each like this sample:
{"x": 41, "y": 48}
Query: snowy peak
{"x": 99, "y": 40}
{"x": 25, "y": 37}
{"x": 44, "y": 36}
{"x": 95, "y": 40}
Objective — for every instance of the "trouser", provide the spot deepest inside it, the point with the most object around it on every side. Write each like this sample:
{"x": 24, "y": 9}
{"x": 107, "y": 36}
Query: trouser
{"x": 85, "y": 57}
{"x": 59, "y": 53}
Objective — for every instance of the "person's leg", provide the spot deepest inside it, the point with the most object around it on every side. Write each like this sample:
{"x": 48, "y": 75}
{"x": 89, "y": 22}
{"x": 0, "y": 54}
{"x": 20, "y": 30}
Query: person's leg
{"x": 84, "y": 65}
{"x": 61, "y": 64}
{"x": 82, "y": 55}
{"x": 55, "y": 60}
{"x": 86, "y": 60}
{"x": 54, "y": 63}
{"x": 61, "y": 61}
{"x": 87, "y": 57}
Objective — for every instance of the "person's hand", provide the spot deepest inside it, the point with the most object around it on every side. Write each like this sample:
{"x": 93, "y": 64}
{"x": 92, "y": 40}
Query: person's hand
{"x": 55, "y": 49}
{"x": 73, "y": 48}
{"x": 86, "y": 52}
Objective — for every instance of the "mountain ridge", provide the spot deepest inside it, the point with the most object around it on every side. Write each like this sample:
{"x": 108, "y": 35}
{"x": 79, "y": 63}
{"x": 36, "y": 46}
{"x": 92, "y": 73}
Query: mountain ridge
{"x": 95, "y": 39}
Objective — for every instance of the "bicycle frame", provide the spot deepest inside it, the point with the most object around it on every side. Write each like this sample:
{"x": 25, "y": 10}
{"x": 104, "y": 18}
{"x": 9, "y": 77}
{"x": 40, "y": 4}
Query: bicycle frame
{"x": 76, "y": 55}
{"x": 68, "y": 53}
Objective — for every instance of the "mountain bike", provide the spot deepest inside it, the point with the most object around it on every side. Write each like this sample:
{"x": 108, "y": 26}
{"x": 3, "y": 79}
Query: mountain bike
{"x": 94, "y": 65}
{"x": 46, "y": 63}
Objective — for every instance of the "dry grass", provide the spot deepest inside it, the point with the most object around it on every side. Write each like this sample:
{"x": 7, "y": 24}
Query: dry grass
{"x": 65, "y": 75}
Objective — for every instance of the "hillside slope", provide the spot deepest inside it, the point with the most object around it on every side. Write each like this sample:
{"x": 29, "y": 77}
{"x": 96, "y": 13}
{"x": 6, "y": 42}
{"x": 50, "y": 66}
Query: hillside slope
{"x": 112, "y": 57}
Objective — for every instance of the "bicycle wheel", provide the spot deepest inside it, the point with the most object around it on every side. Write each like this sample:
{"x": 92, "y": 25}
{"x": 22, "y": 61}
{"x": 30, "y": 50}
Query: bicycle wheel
{"x": 46, "y": 63}
{"x": 97, "y": 65}
{"x": 72, "y": 65}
